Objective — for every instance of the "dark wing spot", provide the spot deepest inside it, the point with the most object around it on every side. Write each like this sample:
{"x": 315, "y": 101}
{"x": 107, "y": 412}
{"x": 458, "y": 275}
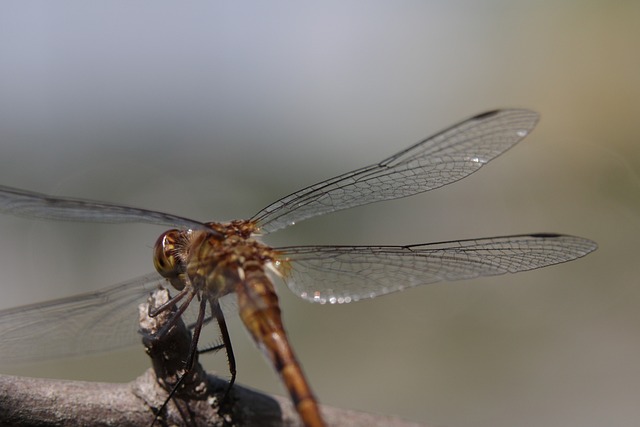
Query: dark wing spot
{"x": 546, "y": 235}
{"x": 485, "y": 115}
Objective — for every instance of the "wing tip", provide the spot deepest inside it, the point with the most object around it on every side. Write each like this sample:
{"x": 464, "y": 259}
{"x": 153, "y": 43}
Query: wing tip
{"x": 588, "y": 245}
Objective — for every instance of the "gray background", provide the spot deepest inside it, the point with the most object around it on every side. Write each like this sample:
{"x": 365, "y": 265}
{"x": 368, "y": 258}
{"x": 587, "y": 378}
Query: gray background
{"x": 213, "y": 110}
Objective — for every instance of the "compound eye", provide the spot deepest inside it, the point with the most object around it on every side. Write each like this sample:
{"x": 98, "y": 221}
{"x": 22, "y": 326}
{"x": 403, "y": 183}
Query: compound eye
{"x": 165, "y": 255}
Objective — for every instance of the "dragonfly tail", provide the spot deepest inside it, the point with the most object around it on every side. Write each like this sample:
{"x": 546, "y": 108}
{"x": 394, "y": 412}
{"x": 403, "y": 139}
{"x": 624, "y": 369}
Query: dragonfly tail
{"x": 260, "y": 313}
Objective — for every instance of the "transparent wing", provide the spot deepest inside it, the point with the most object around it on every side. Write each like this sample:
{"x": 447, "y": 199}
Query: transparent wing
{"x": 436, "y": 161}
{"x": 88, "y": 323}
{"x": 92, "y": 322}
{"x": 35, "y": 205}
{"x": 342, "y": 274}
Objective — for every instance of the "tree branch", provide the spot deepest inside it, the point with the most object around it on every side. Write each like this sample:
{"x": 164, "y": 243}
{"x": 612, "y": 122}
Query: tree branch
{"x": 46, "y": 402}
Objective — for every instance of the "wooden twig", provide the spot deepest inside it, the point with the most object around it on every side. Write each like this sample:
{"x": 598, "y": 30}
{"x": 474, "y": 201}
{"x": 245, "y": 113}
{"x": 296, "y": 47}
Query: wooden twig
{"x": 197, "y": 402}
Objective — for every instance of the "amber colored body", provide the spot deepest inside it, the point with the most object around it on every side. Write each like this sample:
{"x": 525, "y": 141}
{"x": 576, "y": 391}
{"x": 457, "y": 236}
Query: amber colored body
{"x": 226, "y": 260}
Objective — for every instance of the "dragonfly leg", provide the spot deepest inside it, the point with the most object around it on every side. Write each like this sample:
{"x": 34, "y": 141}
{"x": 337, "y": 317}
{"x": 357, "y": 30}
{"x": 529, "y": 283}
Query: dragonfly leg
{"x": 211, "y": 349}
{"x": 226, "y": 341}
{"x": 154, "y": 311}
{"x": 177, "y": 315}
{"x": 193, "y": 350}
{"x": 205, "y": 322}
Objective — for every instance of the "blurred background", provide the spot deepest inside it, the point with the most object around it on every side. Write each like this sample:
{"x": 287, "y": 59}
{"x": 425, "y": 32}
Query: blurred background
{"x": 213, "y": 110}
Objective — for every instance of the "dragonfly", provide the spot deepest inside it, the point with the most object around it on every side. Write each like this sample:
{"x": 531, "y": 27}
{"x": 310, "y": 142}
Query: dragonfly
{"x": 206, "y": 261}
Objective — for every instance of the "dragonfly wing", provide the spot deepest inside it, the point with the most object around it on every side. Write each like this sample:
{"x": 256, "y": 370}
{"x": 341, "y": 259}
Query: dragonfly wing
{"x": 18, "y": 202}
{"x": 92, "y": 322}
{"x": 436, "y": 161}
{"x": 342, "y": 274}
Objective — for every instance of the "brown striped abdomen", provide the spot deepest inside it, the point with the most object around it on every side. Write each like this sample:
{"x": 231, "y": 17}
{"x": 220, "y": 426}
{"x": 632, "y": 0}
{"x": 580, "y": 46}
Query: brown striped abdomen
{"x": 260, "y": 312}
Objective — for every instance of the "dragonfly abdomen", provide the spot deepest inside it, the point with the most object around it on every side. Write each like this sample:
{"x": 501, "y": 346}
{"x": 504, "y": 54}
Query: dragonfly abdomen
{"x": 260, "y": 312}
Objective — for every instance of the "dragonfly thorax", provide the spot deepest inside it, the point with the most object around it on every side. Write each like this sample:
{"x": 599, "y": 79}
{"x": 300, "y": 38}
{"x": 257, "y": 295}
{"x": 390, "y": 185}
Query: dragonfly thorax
{"x": 212, "y": 263}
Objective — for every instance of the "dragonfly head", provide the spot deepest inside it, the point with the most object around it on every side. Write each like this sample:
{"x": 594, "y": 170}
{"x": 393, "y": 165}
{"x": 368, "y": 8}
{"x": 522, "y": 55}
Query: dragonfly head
{"x": 167, "y": 256}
